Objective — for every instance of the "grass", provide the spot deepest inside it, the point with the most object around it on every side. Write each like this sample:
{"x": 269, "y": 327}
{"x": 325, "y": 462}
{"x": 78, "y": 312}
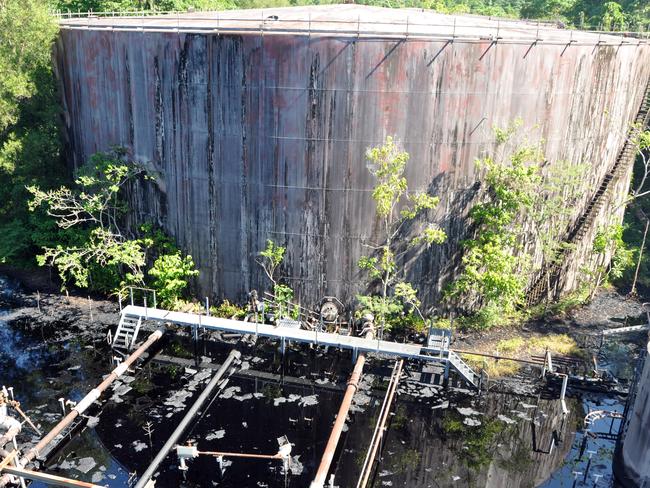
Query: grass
{"x": 555, "y": 343}
{"x": 519, "y": 347}
{"x": 510, "y": 346}
{"x": 566, "y": 304}
{"x": 495, "y": 368}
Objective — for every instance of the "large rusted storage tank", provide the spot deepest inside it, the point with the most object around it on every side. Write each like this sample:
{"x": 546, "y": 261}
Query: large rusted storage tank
{"x": 257, "y": 122}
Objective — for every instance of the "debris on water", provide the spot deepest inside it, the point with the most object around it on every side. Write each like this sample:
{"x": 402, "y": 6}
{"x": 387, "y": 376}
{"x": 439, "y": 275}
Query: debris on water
{"x": 471, "y": 422}
{"x": 506, "y": 420}
{"x": 139, "y": 446}
{"x": 467, "y": 411}
{"x": 230, "y": 392}
{"x": 307, "y": 401}
{"x": 85, "y": 464}
{"x": 219, "y": 434}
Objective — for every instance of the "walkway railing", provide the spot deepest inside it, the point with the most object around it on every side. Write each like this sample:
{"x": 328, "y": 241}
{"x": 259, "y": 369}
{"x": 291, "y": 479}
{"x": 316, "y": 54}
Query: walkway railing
{"x": 269, "y": 22}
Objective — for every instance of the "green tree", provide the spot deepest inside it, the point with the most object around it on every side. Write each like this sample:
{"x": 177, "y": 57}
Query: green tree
{"x": 171, "y": 273}
{"x": 136, "y": 5}
{"x": 29, "y": 126}
{"x": 395, "y": 206}
{"x": 93, "y": 212}
{"x": 269, "y": 259}
{"x": 613, "y": 16}
{"x": 613, "y": 257}
{"x": 493, "y": 266}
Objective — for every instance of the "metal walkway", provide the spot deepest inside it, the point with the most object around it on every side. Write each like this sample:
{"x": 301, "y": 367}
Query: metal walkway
{"x": 283, "y": 334}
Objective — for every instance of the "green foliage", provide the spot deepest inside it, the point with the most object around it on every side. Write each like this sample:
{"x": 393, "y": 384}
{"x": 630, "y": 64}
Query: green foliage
{"x": 96, "y": 252}
{"x": 91, "y": 211}
{"x": 519, "y": 199}
{"x": 493, "y": 269}
{"x": 26, "y": 36}
{"x": 29, "y": 126}
{"x": 283, "y": 302}
{"x": 131, "y": 5}
{"x": 228, "y": 310}
{"x": 395, "y": 206}
{"x": 609, "y": 239}
{"x": 270, "y": 259}
{"x": 171, "y": 273}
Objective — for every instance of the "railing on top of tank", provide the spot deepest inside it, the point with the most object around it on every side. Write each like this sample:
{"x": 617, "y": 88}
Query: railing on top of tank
{"x": 504, "y": 30}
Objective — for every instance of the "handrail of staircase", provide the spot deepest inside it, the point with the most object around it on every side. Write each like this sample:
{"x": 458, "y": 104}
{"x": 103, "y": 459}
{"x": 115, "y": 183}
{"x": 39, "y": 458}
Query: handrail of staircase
{"x": 130, "y": 295}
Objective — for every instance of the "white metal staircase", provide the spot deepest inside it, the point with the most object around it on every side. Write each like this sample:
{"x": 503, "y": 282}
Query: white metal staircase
{"x": 462, "y": 367}
{"x": 127, "y": 332}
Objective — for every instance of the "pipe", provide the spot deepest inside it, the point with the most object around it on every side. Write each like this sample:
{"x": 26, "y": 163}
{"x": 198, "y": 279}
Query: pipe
{"x": 240, "y": 454}
{"x": 335, "y": 435}
{"x": 50, "y": 479}
{"x": 496, "y": 356}
{"x": 191, "y": 413}
{"x": 86, "y": 402}
{"x": 12, "y": 425}
{"x": 380, "y": 428}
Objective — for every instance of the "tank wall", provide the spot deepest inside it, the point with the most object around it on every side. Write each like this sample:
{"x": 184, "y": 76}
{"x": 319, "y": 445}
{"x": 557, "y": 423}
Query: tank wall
{"x": 263, "y": 137}
{"x": 632, "y": 462}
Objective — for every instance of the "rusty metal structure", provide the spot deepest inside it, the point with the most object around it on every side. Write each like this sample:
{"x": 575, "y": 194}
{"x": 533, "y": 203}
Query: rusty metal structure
{"x": 256, "y": 123}
{"x": 18, "y": 467}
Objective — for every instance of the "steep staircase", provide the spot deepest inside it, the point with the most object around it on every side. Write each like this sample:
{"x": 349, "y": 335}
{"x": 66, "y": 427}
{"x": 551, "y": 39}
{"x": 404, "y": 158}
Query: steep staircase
{"x": 463, "y": 369}
{"x": 127, "y": 332}
{"x": 551, "y": 271}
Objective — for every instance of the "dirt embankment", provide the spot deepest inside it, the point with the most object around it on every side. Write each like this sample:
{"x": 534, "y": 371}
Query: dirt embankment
{"x": 34, "y": 303}
{"x": 574, "y": 334}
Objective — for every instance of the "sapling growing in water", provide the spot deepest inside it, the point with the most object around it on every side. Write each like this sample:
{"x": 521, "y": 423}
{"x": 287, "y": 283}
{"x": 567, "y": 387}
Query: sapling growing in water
{"x": 270, "y": 259}
{"x": 395, "y": 206}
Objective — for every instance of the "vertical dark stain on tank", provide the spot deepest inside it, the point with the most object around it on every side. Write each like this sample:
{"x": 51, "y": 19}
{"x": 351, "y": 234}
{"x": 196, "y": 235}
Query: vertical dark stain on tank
{"x": 159, "y": 150}
{"x": 212, "y": 197}
{"x": 129, "y": 99}
{"x": 347, "y": 260}
{"x": 312, "y": 170}
{"x": 244, "y": 165}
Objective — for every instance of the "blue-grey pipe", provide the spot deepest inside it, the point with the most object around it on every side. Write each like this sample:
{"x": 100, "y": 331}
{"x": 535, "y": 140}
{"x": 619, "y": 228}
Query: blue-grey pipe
{"x": 189, "y": 416}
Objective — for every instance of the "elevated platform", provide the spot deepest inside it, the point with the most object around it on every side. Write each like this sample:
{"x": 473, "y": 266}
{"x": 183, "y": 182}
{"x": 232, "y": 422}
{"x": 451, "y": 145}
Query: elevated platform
{"x": 283, "y": 334}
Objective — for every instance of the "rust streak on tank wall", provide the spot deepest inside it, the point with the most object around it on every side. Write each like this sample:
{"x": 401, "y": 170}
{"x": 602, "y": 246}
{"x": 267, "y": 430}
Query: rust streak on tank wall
{"x": 263, "y": 137}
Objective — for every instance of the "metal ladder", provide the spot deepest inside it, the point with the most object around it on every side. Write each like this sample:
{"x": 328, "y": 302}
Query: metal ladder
{"x": 462, "y": 368}
{"x": 551, "y": 271}
{"x": 127, "y": 332}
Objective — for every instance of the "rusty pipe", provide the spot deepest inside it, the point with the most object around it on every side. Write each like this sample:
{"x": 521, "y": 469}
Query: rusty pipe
{"x": 240, "y": 455}
{"x": 380, "y": 428}
{"x": 335, "y": 435}
{"x": 9, "y": 435}
{"x": 86, "y": 402}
